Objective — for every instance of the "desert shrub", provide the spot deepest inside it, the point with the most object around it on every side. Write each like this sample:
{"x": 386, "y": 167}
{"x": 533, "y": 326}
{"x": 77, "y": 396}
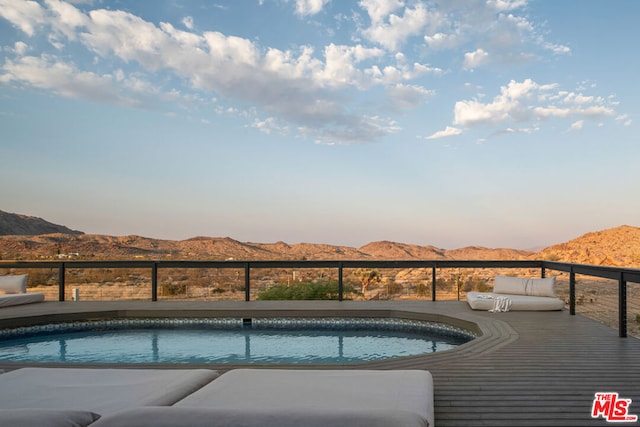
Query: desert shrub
{"x": 444, "y": 284}
{"x": 422, "y": 289}
{"x": 304, "y": 291}
{"x": 393, "y": 288}
{"x": 476, "y": 284}
{"x": 172, "y": 289}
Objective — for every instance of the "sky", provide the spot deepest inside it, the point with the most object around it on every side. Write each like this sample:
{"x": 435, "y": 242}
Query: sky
{"x": 497, "y": 123}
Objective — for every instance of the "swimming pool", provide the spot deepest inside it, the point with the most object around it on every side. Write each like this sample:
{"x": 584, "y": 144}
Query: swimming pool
{"x": 229, "y": 340}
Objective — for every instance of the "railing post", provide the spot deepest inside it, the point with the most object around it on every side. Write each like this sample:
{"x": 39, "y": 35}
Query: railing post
{"x": 572, "y": 292}
{"x": 543, "y": 272}
{"x": 247, "y": 282}
{"x": 61, "y": 275}
{"x": 154, "y": 282}
{"x": 622, "y": 307}
{"x": 340, "y": 283}
{"x": 433, "y": 282}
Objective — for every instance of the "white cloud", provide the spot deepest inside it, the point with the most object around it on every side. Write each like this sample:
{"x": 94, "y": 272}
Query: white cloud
{"x": 65, "y": 80}
{"x": 577, "y": 125}
{"x": 528, "y": 101}
{"x": 441, "y": 40}
{"x": 503, "y": 5}
{"x": 624, "y": 119}
{"x": 67, "y": 19}
{"x": 315, "y": 90}
{"x": 394, "y": 31}
{"x": 187, "y": 21}
{"x": 310, "y": 7}
{"x": 269, "y": 125}
{"x": 475, "y": 59}
{"x": 408, "y": 96}
{"x": 448, "y": 131}
{"x": 378, "y": 10}
{"x": 24, "y": 14}
{"x": 20, "y": 48}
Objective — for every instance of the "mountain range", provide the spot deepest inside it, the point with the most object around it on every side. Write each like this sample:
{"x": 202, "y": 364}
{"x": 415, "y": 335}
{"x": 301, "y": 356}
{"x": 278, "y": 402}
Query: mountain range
{"x": 29, "y": 238}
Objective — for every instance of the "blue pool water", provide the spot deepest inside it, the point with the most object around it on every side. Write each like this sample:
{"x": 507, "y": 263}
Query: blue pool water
{"x": 228, "y": 341}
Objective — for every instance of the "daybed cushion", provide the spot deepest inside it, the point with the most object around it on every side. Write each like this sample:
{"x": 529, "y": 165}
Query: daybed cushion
{"x": 525, "y": 286}
{"x": 19, "y": 299}
{"x": 46, "y": 418}
{"x": 486, "y": 301}
{"x": 13, "y": 284}
{"x": 171, "y": 416}
{"x": 317, "y": 391}
{"x": 102, "y": 391}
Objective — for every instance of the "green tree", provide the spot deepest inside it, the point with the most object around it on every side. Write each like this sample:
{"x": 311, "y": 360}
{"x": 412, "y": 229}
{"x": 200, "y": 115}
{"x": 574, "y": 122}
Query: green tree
{"x": 367, "y": 278}
{"x": 321, "y": 290}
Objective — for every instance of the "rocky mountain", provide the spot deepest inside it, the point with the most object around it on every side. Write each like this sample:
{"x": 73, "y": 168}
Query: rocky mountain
{"x": 15, "y": 224}
{"x": 618, "y": 246}
{"x": 90, "y": 246}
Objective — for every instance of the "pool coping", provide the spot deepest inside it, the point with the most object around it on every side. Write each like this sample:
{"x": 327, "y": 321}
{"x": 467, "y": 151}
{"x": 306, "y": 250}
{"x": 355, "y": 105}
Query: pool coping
{"x": 494, "y": 333}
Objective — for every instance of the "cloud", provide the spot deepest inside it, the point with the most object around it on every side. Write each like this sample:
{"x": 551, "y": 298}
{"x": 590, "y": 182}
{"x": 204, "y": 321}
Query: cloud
{"x": 24, "y": 14}
{"x": 322, "y": 92}
{"x": 448, "y": 131}
{"x": 187, "y": 21}
{"x": 310, "y": 7}
{"x": 475, "y": 59}
{"x": 393, "y": 31}
{"x": 63, "y": 79}
{"x": 624, "y": 119}
{"x": 295, "y": 86}
{"x": 530, "y": 102}
{"x": 378, "y": 10}
{"x": 408, "y": 96}
{"x": 577, "y": 125}
{"x": 504, "y": 5}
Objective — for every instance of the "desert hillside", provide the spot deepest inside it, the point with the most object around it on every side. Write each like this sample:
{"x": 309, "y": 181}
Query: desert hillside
{"x": 618, "y": 246}
{"x": 29, "y": 238}
{"x": 16, "y": 224}
{"x": 90, "y": 246}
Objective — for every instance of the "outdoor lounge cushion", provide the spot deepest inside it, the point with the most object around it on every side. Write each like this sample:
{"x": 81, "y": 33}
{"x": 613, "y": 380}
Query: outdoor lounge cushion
{"x": 13, "y": 284}
{"x": 487, "y": 300}
{"x": 46, "y": 418}
{"x": 19, "y": 299}
{"x": 292, "y": 393}
{"x": 13, "y": 291}
{"x": 525, "y": 286}
{"x": 102, "y": 391}
{"x": 171, "y": 416}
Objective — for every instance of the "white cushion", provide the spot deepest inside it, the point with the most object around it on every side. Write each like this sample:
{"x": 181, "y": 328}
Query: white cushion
{"x": 46, "y": 418}
{"x": 13, "y": 284}
{"x": 487, "y": 300}
{"x": 19, "y": 299}
{"x": 102, "y": 391}
{"x": 311, "y": 390}
{"x": 171, "y": 416}
{"x": 525, "y": 286}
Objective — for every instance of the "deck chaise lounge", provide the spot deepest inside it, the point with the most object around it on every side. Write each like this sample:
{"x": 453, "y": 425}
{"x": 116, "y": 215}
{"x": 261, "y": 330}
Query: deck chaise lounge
{"x": 63, "y": 397}
{"x": 517, "y": 294}
{"x": 13, "y": 291}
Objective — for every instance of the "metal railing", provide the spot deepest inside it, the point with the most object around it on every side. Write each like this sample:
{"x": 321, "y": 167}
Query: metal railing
{"x": 622, "y": 275}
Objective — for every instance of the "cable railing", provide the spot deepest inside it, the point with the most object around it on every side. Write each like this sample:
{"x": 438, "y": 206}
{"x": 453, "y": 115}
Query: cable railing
{"x": 622, "y": 275}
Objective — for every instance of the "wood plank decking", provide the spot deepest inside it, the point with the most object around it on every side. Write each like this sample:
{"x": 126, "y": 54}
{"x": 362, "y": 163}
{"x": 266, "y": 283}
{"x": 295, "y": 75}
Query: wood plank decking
{"x": 528, "y": 369}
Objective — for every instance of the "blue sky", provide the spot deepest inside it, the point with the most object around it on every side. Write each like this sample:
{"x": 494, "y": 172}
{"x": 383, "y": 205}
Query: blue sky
{"x": 499, "y": 123}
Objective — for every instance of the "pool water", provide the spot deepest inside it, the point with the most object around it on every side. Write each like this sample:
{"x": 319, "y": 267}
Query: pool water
{"x": 272, "y": 341}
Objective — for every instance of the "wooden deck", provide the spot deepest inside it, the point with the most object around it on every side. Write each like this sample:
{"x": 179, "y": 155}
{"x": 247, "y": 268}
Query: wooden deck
{"x": 528, "y": 368}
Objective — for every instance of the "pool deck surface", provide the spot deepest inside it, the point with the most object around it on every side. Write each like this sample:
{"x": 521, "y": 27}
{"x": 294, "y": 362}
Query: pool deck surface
{"x": 527, "y": 368}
